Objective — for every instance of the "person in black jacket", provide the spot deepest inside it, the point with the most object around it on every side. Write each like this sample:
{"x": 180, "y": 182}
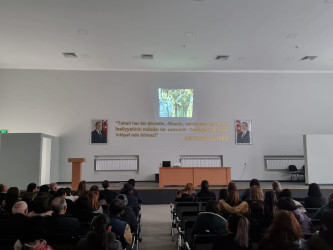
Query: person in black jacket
{"x": 61, "y": 226}
{"x": 205, "y": 192}
{"x": 107, "y": 194}
{"x": 314, "y": 198}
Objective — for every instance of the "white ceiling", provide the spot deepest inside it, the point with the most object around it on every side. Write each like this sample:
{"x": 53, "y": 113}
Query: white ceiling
{"x": 182, "y": 35}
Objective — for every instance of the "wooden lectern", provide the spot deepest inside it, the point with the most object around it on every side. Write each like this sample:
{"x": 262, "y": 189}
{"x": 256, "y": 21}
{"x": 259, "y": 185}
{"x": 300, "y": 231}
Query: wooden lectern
{"x": 76, "y": 171}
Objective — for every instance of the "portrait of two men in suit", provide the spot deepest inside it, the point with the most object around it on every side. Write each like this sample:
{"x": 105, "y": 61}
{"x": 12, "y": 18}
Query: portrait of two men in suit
{"x": 243, "y": 131}
{"x": 99, "y": 132}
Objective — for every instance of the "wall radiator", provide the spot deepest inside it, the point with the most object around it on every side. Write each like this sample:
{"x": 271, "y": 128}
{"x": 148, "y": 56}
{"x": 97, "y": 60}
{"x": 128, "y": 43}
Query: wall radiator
{"x": 201, "y": 160}
{"x": 116, "y": 162}
{"x": 281, "y": 162}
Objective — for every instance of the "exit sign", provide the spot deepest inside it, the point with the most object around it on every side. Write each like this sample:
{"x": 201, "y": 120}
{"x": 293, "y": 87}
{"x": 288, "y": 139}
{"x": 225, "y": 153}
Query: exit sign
{"x": 3, "y": 131}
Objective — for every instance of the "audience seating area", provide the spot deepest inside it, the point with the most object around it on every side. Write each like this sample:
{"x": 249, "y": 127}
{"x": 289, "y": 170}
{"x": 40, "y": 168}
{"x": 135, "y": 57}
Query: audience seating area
{"x": 184, "y": 215}
{"x": 68, "y": 237}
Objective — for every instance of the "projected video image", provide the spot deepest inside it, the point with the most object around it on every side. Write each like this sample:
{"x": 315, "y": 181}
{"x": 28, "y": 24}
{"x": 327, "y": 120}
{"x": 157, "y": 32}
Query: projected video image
{"x": 176, "y": 102}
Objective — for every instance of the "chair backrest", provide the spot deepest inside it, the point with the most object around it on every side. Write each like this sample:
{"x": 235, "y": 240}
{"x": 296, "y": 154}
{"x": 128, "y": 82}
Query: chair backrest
{"x": 186, "y": 206}
{"x": 292, "y": 168}
{"x": 187, "y": 216}
{"x": 204, "y": 199}
{"x": 204, "y": 241}
{"x": 311, "y": 211}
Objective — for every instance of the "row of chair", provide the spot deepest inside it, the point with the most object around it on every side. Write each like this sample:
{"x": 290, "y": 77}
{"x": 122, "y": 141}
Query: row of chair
{"x": 178, "y": 208}
{"x": 184, "y": 215}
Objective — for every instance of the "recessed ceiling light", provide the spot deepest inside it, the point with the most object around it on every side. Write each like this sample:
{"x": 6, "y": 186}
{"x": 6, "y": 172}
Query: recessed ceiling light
{"x": 221, "y": 58}
{"x": 292, "y": 35}
{"x": 69, "y": 54}
{"x": 147, "y": 56}
{"x": 82, "y": 32}
{"x": 309, "y": 58}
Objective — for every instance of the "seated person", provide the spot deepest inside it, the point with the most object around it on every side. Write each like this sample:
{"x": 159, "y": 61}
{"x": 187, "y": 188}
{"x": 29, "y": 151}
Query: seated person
{"x": 100, "y": 237}
{"x": 12, "y": 197}
{"x": 107, "y": 194}
{"x": 238, "y": 237}
{"x": 129, "y": 214}
{"x": 183, "y": 197}
{"x": 94, "y": 207}
{"x": 276, "y": 187}
{"x": 227, "y": 210}
{"x": 205, "y": 193}
{"x": 270, "y": 206}
{"x": 81, "y": 209}
{"x": 314, "y": 199}
{"x": 232, "y": 204}
{"x": 61, "y": 192}
{"x": 12, "y": 225}
{"x": 136, "y": 192}
{"x": 286, "y": 193}
{"x": 3, "y": 193}
{"x": 128, "y": 190}
{"x": 189, "y": 190}
{"x": 284, "y": 233}
{"x": 304, "y": 221}
{"x": 41, "y": 207}
{"x": 223, "y": 194}
{"x": 32, "y": 188}
{"x": 118, "y": 226}
{"x": 256, "y": 194}
{"x": 323, "y": 208}
{"x": 233, "y": 195}
{"x": 34, "y": 235}
{"x": 246, "y": 195}
{"x": 324, "y": 238}
{"x": 61, "y": 226}
{"x": 29, "y": 198}
{"x": 53, "y": 188}
{"x": 210, "y": 222}
{"x": 258, "y": 222}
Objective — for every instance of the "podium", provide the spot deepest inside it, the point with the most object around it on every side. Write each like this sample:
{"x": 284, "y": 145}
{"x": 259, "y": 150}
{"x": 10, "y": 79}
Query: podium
{"x": 76, "y": 171}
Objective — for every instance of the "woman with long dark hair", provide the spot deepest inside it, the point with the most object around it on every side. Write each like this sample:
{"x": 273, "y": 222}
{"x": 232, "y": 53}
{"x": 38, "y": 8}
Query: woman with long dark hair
{"x": 11, "y": 198}
{"x": 270, "y": 206}
{"x": 205, "y": 193}
{"x": 100, "y": 237}
{"x": 314, "y": 198}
